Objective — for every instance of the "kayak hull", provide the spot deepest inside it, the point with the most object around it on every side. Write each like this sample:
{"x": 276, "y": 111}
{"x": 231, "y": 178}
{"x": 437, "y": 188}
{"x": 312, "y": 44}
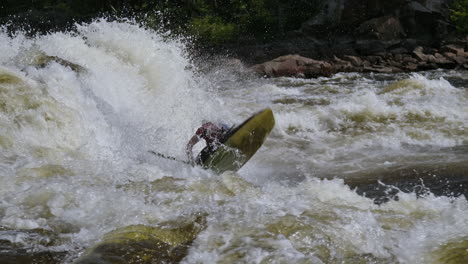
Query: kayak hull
{"x": 241, "y": 143}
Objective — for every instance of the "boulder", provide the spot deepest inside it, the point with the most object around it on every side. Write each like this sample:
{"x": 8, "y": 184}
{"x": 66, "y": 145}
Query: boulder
{"x": 457, "y": 49}
{"x": 374, "y": 46}
{"x": 410, "y": 66}
{"x": 293, "y": 66}
{"x": 382, "y": 28}
{"x": 398, "y": 57}
{"x": 375, "y": 59}
{"x": 329, "y": 16}
{"x": 369, "y": 47}
{"x": 455, "y": 58}
{"x": 399, "y": 51}
{"x": 409, "y": 59}
{"x": 380, "y": 69}
{"x": 356, "y": 61}
{"x": 419, "y": 53}
{"x": 340, "y": 65}
{"x": 424, "y": 20}
{"x": 427, "y": 66}
{"x": 442, "y": 61}
{"x": 166, "y": 243}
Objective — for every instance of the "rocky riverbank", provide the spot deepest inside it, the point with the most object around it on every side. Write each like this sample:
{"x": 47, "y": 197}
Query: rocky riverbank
{"x": 375, "y": 36}
{"x": 344, "y": 36}
{"x": 419, "y": 59}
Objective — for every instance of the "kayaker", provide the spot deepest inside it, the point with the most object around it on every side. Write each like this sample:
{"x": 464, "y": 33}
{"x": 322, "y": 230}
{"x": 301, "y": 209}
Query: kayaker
{"x": 212, "y": 134}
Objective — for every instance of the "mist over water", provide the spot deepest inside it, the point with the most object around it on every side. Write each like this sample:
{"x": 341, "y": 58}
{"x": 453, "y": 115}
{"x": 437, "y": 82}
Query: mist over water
{"x": 79, "y": 112}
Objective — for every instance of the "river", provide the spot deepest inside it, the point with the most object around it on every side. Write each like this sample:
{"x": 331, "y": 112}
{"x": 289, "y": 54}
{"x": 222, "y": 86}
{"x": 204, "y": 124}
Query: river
{"x": 360, "y": 168}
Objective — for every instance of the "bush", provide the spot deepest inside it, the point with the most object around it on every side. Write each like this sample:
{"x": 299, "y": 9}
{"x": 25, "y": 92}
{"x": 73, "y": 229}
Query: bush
{"x": 213, "y": 21}
{"x": 212, "y": 29}
{"x": 459, "y": 15}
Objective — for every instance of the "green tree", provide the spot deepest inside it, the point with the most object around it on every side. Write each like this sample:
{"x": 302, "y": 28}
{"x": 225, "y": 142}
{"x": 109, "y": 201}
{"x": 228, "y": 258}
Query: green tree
{"x": 248, "y": 20}
{"x": 213, "y": 29}
{"x": 460, "y": 15}
{"x": 212, "y": 21}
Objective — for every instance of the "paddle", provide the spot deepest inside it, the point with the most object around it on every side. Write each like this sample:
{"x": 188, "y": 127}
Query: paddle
{"x": 168, "y": 157}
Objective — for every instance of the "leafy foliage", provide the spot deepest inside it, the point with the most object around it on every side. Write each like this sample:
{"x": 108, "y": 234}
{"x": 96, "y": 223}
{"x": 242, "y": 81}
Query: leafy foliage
{"x": 213, "y": 21}
{"x": 460, "y": 15}
{"x": 213, "y": 29}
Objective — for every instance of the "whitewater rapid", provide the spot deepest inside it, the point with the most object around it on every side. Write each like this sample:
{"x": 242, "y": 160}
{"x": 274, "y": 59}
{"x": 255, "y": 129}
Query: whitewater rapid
{"x": 80, "y": 110}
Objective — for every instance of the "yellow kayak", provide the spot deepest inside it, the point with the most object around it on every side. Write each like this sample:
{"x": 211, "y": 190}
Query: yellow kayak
{"x": 241, "y": 143}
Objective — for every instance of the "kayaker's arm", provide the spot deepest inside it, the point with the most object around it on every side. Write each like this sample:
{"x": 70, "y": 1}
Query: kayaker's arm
{"x": 188, "y": 150}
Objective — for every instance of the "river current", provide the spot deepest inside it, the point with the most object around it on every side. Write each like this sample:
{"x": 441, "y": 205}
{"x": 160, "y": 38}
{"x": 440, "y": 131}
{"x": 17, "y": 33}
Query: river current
{"x": 360, "y": 168}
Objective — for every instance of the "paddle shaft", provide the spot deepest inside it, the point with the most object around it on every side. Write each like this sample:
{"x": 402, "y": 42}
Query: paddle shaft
{"x": 167, "y": 157}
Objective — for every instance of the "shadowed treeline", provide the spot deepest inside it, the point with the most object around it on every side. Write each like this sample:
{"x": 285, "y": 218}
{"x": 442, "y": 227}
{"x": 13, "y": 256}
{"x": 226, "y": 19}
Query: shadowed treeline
{"x": 260, "y": 30}
{"x": 213, "y": 21}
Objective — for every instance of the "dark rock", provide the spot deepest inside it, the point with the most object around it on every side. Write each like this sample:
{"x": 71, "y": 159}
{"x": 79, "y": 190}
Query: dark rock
{"x": 354, "y": 12}
{"x": 442, "y": 61}
{"x": 341, "y": 46}
{"x": 375, "y": 59}
{"x": 458, "y": 50}
{"x": 398, "y": 57}
{"x": 396, "y": 63}
{"x": 410, "y": 43}
{"x": 372, "y": 28}
{"x": 366, "y": 63}
{"x": 316, "y": 70}
{"x": 369, "y": 47}
{"x": 461, "y": 60}
{"x": 356, "y": 61}
{"x": 455, "y": 58}
{"x": 344, "y": 68}
{"x": 426, "y": 66}
{"x": 410, "y": 67}
{"x": 451, "y": 56}
{"x": 382, "y": 28}
{"x": 340, "y": 65}
{"x": 409, "y": 59}
{"x": 419, "y": 53}
{"x": 328, "y": 17}
{"x": 384, "y": 55}
{"x": 419, "y": 21}
{"x": 429, "y": 50}
{"x": 378, "y": 69}
{"x": 452, "y": 48}
{"x": 447, "y": 179}
{"x": 442, "y": 28}
{"x": 399, "y": 50}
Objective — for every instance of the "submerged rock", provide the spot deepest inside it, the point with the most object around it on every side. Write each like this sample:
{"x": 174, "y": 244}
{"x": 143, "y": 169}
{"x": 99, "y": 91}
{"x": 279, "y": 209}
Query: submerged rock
{"x": 452, "y": 252}
{"x": 167, "y": 243}
{"x": 447, "y": 179}
{"x": 43, "y": 60}
{"x": 28, "y": 246}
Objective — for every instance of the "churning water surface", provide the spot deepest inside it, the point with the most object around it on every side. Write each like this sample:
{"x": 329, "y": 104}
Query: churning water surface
{"x": 360, "y": 168}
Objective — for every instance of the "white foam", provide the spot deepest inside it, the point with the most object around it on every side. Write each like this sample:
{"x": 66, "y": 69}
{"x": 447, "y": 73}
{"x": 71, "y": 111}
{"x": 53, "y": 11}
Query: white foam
{"x": 80, "y": 157}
